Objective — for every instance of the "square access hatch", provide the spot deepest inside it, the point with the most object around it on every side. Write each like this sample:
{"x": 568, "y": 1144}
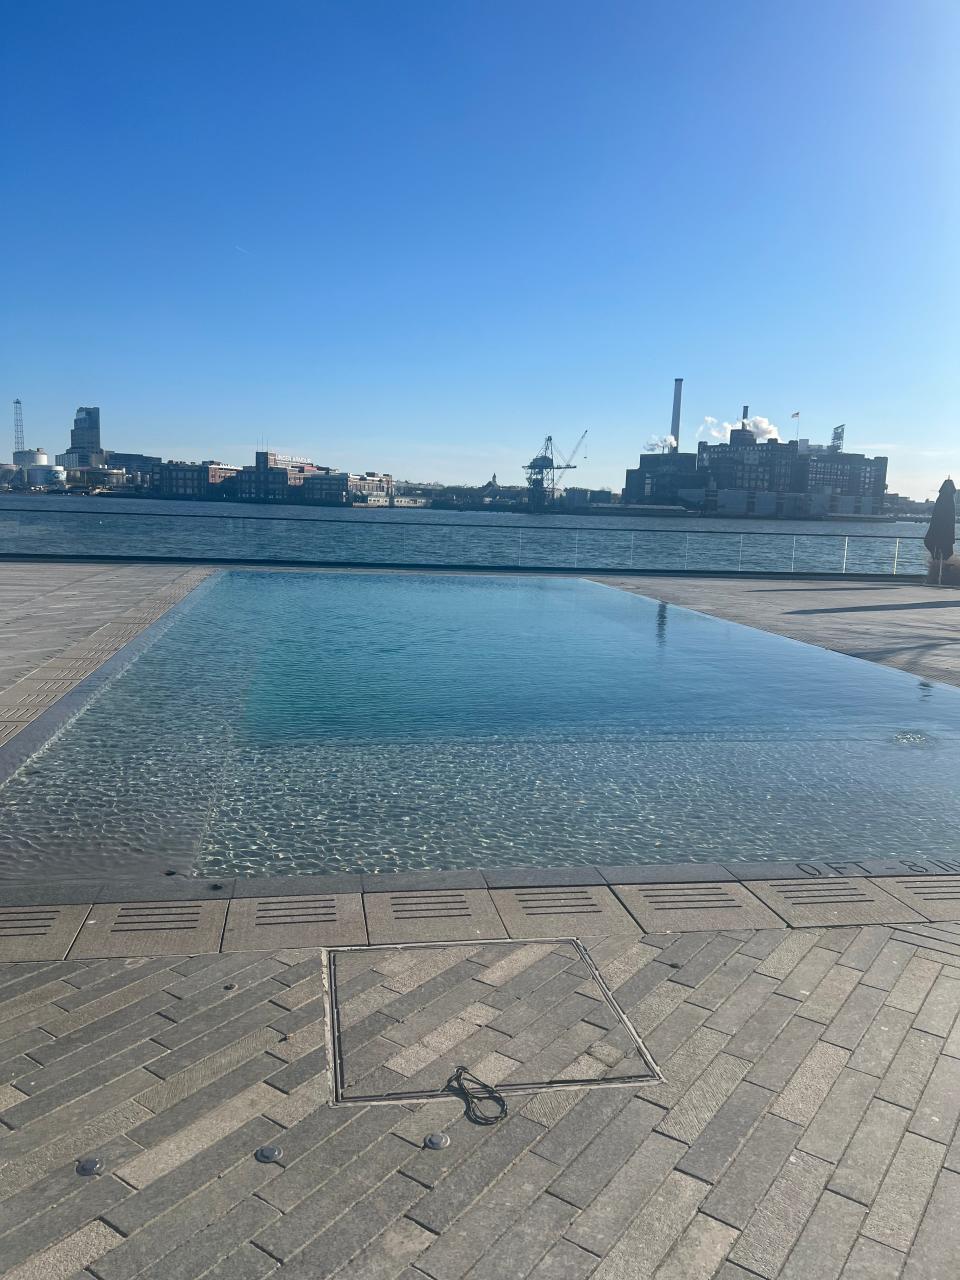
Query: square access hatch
{"x": 523, "y": 1016}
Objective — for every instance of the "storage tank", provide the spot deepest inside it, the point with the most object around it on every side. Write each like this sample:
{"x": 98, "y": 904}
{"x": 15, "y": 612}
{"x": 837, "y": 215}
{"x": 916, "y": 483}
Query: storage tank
{"x": 8, "y": 474}
{"x": 46, "y": 477}
{"x": 24, "y": 458}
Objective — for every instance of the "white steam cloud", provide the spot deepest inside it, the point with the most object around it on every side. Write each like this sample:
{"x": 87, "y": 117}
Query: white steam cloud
{"x": 762, "y": 428}
{"x": 660, "y": 444}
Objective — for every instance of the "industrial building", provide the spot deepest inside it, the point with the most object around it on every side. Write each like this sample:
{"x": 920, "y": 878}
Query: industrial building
{"x": 196, "y": 480}
{"x": 274, "y": 477}
{"x": 747, "y": 476}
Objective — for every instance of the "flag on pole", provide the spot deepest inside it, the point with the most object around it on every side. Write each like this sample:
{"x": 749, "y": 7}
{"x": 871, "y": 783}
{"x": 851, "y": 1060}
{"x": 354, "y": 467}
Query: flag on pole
{"x": 795, "y": 415}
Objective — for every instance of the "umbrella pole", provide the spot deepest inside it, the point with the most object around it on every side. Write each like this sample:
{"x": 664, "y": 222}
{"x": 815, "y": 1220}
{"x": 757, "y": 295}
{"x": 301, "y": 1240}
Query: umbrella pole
{"x": 940, "y": 574}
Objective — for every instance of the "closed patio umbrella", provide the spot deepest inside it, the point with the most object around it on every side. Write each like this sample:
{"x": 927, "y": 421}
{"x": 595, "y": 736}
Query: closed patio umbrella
{"x": 940, "y": 537}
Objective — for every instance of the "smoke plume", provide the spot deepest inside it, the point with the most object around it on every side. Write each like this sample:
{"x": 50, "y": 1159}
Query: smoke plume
{"x": 762, "y": 428}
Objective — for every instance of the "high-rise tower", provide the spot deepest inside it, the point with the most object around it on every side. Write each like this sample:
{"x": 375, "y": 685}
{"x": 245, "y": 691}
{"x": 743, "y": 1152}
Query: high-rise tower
{"x": 84, "y": 448}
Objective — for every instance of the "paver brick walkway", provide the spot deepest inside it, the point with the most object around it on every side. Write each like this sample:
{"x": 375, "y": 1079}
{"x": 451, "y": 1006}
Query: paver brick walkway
{"x": 806, "y": 1128}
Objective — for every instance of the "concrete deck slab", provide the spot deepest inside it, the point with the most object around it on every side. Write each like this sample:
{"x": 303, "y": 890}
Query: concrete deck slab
{"x": 151, "y": 929}
{"x": 936, "y": 898}
{"x": 670, "y": 908}
{"x": 48, "y": 892}
{"x": 445, "y": 915}
{"x": 907, "y": 625}
{"x": 318, "y": 920}
{"x": 854, "y": 900}
{"x": 39, "y": 933}
{"x": 667, "y": 873}
{"x": 553, "y": 912}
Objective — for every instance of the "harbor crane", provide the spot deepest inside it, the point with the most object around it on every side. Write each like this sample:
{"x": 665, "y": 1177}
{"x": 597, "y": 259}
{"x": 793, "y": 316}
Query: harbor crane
{"x": 542, "y": 472}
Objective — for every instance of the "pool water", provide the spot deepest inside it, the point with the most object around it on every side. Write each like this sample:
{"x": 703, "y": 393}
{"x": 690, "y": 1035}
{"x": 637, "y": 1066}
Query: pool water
{"x": 301, "y": 722}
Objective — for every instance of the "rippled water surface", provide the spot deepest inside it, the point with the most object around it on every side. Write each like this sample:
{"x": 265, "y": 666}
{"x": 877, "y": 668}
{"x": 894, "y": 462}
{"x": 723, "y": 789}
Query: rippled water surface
{"x": 298, "y": 721}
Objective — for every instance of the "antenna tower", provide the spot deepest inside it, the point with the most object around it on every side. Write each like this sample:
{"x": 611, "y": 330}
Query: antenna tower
{"x": 17, "y": 427}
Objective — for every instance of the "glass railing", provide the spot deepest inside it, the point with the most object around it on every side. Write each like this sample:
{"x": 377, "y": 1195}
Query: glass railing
{"x": 394, "y": 541}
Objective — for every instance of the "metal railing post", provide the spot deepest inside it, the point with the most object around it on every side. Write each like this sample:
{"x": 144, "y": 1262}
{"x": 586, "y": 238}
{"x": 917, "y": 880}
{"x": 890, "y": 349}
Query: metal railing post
{"x": 576, "y": 548}
{"x": 793, "y": 553}
{"x": 740, "y": 556}
{"x": 843, "y": 567}
{"x": 686, "y": 550}
{"x": 519, "y": 547}
{"x": 633, "y": 534}
{"x": 896, "y": 556}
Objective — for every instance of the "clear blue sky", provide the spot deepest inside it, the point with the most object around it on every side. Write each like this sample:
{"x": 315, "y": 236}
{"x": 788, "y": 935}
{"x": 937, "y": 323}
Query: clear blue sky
{"x": 417, "y": 236}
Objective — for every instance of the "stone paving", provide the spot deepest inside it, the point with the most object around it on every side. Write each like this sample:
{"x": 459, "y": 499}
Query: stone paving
{"x": 63, "y": 621}
{"x": 806, "y": 1127}
{"x": 900, "y": 624}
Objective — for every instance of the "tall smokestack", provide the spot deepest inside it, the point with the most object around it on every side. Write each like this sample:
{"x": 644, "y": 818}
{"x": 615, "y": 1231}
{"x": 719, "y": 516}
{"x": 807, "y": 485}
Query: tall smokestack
{"x": 675, "y": 420}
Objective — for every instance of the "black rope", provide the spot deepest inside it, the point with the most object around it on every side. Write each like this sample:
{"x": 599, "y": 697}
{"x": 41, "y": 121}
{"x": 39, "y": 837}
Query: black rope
{"x": 476, "y": 1094}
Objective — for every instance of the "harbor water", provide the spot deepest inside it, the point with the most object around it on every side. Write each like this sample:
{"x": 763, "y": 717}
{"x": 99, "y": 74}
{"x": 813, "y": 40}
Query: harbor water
{"x": 241, "y": 533}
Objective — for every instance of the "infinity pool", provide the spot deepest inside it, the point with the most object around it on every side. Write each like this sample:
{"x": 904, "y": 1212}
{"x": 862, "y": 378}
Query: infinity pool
{"x": 298, "y": 721}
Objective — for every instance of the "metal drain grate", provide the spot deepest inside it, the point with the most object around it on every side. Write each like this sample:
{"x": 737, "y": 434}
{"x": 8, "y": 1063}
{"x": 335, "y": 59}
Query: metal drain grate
{"x": 856, "y": 900}
{"x": 38, "y": 933}
{"x": 526, "y": 1017}
{"x": 320, "y": 920}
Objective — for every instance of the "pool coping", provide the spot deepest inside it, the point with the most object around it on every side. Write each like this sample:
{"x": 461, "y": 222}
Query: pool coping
{"x": 174, "y": 885}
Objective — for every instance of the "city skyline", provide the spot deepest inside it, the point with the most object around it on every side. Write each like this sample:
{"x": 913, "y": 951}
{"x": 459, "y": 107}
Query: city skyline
{"x": 711, "y": 431}
{"x": 427, "y": 237}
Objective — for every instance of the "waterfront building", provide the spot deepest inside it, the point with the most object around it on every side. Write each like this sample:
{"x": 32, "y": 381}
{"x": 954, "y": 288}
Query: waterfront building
{"x": 85, "y": 450}
{"x": 327, "y": 488}
{"x": 660, "y": 477}
{"x": 744, "y": 462}
{"x": 275, "y": 477}
{"x": 138, "y": 466}
{"x": 843, "y": 476}
{"x": 101, "y": 477}
{"x": 198, "y": 480}
{"x": 745, "y": 476}
{"x": 372, "y": 486}
{"x": 340, "y": 488}
{"x": 574, "y": 497}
